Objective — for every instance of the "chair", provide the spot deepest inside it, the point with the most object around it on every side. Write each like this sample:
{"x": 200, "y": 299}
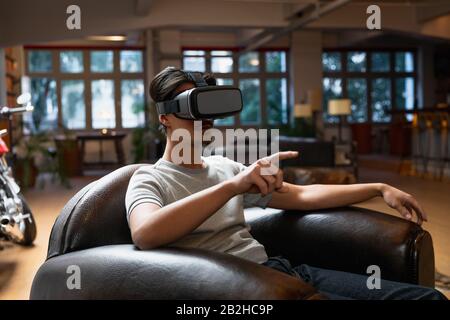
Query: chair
{"x": 92, "y": 233}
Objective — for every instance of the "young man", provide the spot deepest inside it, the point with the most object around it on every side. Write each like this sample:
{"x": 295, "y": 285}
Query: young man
{"x": 201, "y": 204}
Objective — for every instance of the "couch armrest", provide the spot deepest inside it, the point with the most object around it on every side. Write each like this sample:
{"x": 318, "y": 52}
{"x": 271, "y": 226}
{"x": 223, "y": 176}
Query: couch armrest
{"x": 124, "y": 272}
{"x": 349, "y": 239}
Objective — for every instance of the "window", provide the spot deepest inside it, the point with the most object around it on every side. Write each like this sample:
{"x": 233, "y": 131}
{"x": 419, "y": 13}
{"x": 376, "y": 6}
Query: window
{"x": 380, "y": 62}
{"x": 276, "y": 97}
{"x": 381, "y": 99}
{"x": 40, "y": 61}
{"x": 261, "y": 75}
{"x": 357, "y": 92}
{"x": 131, "y": 61}
{"x": 94, "y": 91}
{"x": 332, "y": 89}
{"x": 251, "y": 97}
{"x": 221, "y": 61}
{"x": 356, "y": 61}
{"x": 71, "y": 61}
{"x": 102, "y": 61}
{"x": 376, "y": 82}
{"x": 133, "y": 104}
{"x": 73, "y": 106}
{"x": 331, "y": 61}
{"x": 194, "y": 60}
{"x": 44, "y": 99}
{"x": 103, "y": 115}
{"x": 249, "y": 62}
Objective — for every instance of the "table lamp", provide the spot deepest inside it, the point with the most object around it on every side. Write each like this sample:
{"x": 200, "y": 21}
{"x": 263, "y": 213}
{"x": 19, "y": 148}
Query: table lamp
{"x": 303, "y": 114}
{"x": 315, "y": 99}
{"x": 302, "y": 110}
{"x": 341, "y": 108}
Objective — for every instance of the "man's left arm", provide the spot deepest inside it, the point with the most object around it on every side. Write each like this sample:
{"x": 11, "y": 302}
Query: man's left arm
{"x": 312, "y": 197}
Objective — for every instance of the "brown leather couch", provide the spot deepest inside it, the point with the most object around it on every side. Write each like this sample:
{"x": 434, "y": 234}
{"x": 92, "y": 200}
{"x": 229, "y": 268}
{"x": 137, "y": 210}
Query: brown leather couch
{"x": 92, "y": 233}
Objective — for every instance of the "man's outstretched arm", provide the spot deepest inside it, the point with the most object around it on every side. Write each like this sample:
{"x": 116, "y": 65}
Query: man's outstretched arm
{"x": 317, "y": 196}
{"x": 152, "y": 226}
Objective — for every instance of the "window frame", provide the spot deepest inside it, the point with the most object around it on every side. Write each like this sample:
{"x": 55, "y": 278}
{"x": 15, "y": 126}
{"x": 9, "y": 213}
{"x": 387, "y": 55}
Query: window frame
{"x": 262, "y": 75}
{"x": 87, "y": 76}
{"x": 370, "y": 75}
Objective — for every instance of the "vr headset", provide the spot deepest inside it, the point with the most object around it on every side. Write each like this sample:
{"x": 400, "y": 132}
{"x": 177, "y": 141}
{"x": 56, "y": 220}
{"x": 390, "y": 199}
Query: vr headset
{"x": 204, "y": 101}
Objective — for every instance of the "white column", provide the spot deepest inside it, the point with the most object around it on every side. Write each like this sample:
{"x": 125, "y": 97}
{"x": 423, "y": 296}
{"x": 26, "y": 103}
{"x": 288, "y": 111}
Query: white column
{"x": 151, "y": 62}
{"x": 425, "y": 77}
{"x": 170, "y": 48}
{"x": 306, "y": 67}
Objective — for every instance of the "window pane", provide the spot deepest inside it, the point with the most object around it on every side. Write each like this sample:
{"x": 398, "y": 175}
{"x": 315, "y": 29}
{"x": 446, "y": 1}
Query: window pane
{"x": 193, "y": 52}
{"x": 71, "y": 61}
{"x": 252, "y": 101}
{"x": 222, "y": 64}
{"x": 224, "y": 82}
{"x": 332, "y": 88}
{"x": 221, "y": 53}
{"x": 404, "y": 62}
{"x": 133, "y": 104}
{"x": 381, "y": 100}
{"x": 404, "y": 94}
{"x": 357, "y": 93}
{"x": 331, "y": 61}
{"x": 228, "y": 121}
{"x": 276, "y": 90}
{"x": 356, "y": 62}
{"x": 103, "y": 111}
{"x": 194, "y": 64}
{"x": 249, "y": 62}
{"x": 102, "y": 61}
{"x": 131, "y": 61}
{"x": 276, "y": 61}
{"x": 39, "y": 61}
{"x": 45, "y": 114}
{"x": 380, "y": 62}
{"x": 72, "y": 102}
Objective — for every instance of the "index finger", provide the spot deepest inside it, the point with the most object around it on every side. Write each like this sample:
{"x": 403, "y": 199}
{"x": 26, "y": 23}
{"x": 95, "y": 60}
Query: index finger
{"x": 418, "y": 209}
{"x": 283, "y": 155}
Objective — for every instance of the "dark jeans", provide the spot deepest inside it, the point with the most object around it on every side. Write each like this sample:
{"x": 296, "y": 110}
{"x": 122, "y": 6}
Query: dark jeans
{"x": 340, "y": 285}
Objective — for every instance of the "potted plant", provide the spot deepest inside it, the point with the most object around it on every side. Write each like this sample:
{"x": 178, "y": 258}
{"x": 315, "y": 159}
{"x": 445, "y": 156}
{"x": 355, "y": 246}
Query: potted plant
{"x": 68, "y": 154}
{"x": 29, "y": 153}
{"x": 35, "y": 154}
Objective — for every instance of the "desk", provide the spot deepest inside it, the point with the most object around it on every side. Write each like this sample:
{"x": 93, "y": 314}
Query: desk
{"x": 115, "y": 136}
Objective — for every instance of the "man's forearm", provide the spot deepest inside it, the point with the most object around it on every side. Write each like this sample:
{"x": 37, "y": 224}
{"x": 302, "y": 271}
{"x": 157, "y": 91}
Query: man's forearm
{"x": 325, "y": 196}
{"x": 180, "y": 218}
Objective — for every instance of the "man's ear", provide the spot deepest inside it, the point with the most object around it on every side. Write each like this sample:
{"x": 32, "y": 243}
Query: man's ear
{"x": 164, "y": 120}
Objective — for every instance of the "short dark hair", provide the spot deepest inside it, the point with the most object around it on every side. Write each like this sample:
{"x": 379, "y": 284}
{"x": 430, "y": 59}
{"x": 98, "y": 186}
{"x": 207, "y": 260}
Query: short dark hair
{"x": 165, "y": 83}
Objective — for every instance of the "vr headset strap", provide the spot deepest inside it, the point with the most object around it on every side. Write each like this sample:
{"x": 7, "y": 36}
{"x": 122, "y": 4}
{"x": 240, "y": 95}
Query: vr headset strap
{"x": 197, "y": 78}
{"x": 167, "y": 107}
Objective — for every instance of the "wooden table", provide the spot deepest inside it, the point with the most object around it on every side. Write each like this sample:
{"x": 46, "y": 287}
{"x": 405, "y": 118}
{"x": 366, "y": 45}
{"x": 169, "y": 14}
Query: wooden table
{"x": 111, "y": 135}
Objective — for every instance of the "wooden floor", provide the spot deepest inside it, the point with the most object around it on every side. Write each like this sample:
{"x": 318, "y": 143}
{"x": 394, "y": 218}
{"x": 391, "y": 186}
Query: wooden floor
{"x": 18, "y": 265}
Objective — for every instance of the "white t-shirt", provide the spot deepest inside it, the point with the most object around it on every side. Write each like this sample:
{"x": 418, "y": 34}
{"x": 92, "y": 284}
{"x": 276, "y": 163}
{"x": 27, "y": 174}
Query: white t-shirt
{"x": 225, "y": 231}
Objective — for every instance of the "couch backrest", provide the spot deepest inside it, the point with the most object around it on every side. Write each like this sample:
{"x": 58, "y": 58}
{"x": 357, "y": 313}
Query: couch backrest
{"x": 95, "y": 216}
{"x": 313, "y": 152}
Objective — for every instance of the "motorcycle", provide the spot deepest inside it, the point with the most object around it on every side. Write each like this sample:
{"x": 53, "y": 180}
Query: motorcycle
{"x": 17, "y": 223}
